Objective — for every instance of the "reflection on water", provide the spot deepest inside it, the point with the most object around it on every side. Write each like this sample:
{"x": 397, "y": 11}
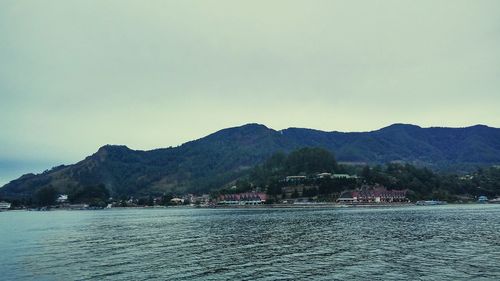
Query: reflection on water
{"x": 427, "y": 243}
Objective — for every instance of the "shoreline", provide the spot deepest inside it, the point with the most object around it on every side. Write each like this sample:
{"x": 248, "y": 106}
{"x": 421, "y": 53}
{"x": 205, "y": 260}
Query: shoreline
{"x": 261, "y": 206}
{"x": 320, "y": 205}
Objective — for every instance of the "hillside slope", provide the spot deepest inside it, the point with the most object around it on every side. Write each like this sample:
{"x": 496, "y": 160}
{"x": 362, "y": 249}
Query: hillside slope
{"x": 221, "y": 157}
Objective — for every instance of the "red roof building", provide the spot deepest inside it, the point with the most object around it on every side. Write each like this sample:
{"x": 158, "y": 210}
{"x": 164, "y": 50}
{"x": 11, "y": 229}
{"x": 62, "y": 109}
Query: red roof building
{"x": 247, "y": 198}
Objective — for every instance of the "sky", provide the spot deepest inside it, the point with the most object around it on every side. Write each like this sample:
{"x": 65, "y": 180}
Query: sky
{"x": 75, "y": 75}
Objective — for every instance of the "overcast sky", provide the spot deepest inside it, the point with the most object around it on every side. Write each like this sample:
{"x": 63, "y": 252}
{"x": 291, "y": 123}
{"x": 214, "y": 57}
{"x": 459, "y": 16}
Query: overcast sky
{"x": 75, "y": 75}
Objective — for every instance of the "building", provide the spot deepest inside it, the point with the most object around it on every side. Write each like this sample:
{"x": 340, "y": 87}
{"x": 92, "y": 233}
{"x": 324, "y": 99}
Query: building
{"x": 344, "y": 176}
{"x": 247, "y": 198}
{"x": 482, "y": 199}
{"x": 193, "y": 199}
{"x": 295, "y": 178}
{"x": 204, "y": 199}
{"x": 177, "y": 201}
{"x": 323, "y": 176}
{"x": 346, "y": 197}
{"x": 334, "y": 176}
{"x": 4, "y": 205}
{"x": 377, "y": 194}
{"x": 63, "y": 198}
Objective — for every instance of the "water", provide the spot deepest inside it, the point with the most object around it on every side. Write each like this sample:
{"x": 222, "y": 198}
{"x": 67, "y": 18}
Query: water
{"x": 410, "y": 243}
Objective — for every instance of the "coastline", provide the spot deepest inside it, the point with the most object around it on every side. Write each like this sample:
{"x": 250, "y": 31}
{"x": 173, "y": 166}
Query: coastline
{"x": 260, "y": 206}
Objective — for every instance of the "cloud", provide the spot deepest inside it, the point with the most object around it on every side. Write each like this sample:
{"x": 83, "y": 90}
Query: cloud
{"x": 79, "y": 74}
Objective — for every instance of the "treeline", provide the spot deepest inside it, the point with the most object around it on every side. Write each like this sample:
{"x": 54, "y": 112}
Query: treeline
{"x": 93, "y": 195}
{"x": 422, "y": 182}
{"x": 426, "y": 184}
{"x": 96, "y": 196}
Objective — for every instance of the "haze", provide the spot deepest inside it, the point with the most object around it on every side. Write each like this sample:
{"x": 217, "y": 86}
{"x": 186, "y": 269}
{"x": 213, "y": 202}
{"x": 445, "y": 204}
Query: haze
{"x": 75, "y": 75}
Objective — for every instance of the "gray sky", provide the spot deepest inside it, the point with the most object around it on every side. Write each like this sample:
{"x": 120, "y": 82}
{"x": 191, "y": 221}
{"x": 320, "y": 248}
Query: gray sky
{"x": 75, "y": 75}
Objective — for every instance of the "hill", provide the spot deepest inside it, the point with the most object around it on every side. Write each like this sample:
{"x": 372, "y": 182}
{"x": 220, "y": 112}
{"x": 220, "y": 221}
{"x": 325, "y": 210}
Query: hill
{"x": 217, "y": 159}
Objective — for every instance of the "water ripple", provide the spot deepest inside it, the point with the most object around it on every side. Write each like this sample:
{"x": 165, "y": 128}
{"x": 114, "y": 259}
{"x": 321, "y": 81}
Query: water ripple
{"x": 413, "y": 243}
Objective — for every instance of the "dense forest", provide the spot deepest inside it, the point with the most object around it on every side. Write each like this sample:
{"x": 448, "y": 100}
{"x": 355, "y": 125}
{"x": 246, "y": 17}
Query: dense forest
{"x": 307, "y": 163}
{"x": 214, "y": 161}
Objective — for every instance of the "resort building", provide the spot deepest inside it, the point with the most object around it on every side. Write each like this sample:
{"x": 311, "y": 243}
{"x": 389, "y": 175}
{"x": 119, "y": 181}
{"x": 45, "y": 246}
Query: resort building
{"x": 248, "y": 198}
{"x": 376, "y": 194}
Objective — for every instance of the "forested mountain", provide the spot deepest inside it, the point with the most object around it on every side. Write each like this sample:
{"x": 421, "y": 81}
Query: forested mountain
{"x": 215, "y": 160}
{"x": 316, "y": 166}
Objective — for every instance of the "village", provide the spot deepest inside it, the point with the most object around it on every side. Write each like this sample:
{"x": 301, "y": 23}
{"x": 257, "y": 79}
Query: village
{"x": 304, "y": 190}
{"x": 292, "y": 191}
{"x": 295, "y": 192}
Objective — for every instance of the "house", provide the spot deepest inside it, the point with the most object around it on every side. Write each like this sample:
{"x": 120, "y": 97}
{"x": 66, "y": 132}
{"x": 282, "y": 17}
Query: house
{"x": 482, "y": 199}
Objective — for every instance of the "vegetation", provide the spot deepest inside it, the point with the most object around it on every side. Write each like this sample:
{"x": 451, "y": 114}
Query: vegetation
{"x": 421, "y": 182}
{"x": 45, "y": 196}
{"x": 223, "y": 158}
{"x": 94, "y": 195}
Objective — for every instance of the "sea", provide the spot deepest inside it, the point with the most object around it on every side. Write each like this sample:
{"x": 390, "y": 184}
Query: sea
{"x": 451, "y": 242}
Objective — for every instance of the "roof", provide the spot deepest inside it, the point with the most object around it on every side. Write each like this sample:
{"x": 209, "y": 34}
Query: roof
{"x": 247, "y": 196}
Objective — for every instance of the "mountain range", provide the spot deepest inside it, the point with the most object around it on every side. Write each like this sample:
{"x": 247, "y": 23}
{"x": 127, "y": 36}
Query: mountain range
{"x": 222, "y": 157}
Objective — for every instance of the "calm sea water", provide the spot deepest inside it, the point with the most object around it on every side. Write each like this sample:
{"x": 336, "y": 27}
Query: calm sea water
{"x": 408, "y": 243}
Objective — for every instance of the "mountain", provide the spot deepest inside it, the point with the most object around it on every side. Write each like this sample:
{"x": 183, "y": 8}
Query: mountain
{"x": 217, "y": 159}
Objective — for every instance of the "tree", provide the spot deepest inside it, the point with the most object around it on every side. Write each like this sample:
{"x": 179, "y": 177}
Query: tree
{"x": 310, "y": 160}
{"x": 94, "y": 195}
{"x": 46, "y": 196}
{"x": 166, "y": 199}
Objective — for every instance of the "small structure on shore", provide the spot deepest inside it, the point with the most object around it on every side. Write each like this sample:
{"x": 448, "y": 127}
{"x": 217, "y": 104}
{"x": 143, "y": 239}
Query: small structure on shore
{"x": 482, "y": 199}
{"x": 4, "y": 205}
{"x": 178, "y": 201}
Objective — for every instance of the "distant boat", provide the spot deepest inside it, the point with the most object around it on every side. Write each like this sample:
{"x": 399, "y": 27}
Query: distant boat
{"x": 495, "y": 201}
{"x": 4, "y": 205}
{"x": 430, "y": 202}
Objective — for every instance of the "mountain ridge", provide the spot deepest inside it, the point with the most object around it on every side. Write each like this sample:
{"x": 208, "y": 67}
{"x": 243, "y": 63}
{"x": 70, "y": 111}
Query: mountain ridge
{"x": 217, "y": 159}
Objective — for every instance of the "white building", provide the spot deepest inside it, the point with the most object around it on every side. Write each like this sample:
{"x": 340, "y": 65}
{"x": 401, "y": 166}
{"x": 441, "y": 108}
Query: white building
{"x": 63, "y": 198}
{"x": 4, "y": 205}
